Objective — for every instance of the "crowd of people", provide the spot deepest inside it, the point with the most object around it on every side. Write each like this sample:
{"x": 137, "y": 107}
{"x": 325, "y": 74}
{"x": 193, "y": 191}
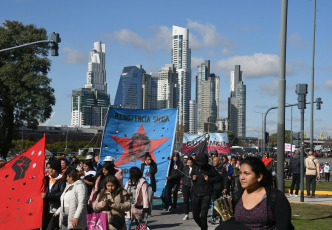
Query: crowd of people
{"x": 75, "y": 188}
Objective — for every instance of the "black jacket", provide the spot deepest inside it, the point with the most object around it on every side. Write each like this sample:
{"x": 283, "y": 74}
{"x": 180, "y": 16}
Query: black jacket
{"x": 174, "y": 175}
{"x": 186, "y": 178}
{"x": 279, "y": 206}
{"x": 294, "y": 164}
{"x": 223, "y": 183}
{"x": 53, "y": 195}
{"x": 200, "y": 186}
{"x": 153, "y": 171}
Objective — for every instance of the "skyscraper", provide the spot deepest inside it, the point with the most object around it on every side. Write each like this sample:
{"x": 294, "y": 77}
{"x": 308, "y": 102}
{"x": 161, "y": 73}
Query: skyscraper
{"x": 96, "y": 75}
{"x": 192, "y": 117}
{"x": 237, "y": 104}
{"x": 90, "y": 104}
{"x": 207, "y": 98}
{"x": 181, "y": 58}
{"x": 134, "y": 89}
{"x": 167, "y": 87}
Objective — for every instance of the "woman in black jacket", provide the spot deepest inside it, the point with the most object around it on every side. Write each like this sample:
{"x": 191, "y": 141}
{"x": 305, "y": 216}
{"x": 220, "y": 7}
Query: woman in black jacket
{"x": 258, "y": 206}
{"x": 186, "y": 186}
{"x": 55, "y": 184}
{"x": 149, "y": 170}
{"x": 173, "y": 182}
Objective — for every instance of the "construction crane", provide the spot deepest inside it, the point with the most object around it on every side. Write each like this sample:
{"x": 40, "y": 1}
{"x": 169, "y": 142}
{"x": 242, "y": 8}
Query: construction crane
{"x": 48, "y": 120}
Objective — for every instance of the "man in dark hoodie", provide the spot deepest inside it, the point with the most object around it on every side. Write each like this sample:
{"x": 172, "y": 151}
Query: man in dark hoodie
{"x": 204, "y": 177}
{"x": 173, "y": 181}
{"x": 294, "y": 169}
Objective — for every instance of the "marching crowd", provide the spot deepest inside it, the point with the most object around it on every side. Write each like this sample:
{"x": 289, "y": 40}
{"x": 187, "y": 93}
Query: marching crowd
{"x": 76, "y": 188}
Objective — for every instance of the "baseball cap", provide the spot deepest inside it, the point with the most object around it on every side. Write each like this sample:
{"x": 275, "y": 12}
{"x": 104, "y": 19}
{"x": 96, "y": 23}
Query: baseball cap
{"x": 193, "y": 154}
{"x": 185, "y": 157}
{"x": 108, "y": 158}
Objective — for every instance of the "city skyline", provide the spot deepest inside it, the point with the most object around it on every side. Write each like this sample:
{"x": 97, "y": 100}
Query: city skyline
{"x": 225, "y": 38}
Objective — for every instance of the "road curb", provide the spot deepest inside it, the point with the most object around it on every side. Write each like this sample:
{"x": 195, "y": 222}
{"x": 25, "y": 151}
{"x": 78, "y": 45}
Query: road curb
{"x": 327, "y": 193}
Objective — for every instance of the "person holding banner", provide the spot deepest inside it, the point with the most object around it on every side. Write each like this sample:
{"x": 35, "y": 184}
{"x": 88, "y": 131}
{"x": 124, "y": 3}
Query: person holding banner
{"x": 204, "y": 176}
{"x": 54, "y": 187}
{"x": 173, "y": 181}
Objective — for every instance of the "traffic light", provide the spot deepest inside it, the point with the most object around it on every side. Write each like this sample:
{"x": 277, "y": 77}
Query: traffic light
{"x": 54, "y": 49}
{"x": 318, "y": 103}
{"x": 301, "y": 91}
{"x": 55, "y": 40}
{"x": 267, "y": 135}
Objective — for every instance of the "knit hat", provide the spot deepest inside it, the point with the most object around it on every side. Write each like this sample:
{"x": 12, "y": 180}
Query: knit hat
{"x": 202, "y": 159}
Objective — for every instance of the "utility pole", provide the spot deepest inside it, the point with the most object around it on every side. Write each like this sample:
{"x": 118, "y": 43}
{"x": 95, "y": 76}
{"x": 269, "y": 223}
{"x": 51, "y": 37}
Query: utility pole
{"x": 301, "y": 91}
{"x": 282, "y": 98}
{"x": 312, "y": 84}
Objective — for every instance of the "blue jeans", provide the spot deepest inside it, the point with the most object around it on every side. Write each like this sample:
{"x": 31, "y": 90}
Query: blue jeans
{"x": 128, "y": 223}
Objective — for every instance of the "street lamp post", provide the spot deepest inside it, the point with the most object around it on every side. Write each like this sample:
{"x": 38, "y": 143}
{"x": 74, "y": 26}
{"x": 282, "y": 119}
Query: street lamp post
{"x": 262, "y": 146}
{"x": 312, "y": 83}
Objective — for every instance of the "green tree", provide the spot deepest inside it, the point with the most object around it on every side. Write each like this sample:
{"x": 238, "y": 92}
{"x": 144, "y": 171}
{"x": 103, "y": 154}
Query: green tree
{"x": 26, "y": 97}
{"x": 273, "y": 138}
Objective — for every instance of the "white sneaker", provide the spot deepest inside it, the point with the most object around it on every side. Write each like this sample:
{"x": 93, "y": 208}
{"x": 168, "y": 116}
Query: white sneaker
{"x": 186, "y": 217}
{"x": 290, "y": 195}
{"x": 296, "y": 195}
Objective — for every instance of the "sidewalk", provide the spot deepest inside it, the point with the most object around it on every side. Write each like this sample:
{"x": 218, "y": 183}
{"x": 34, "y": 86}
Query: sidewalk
{"x": 173, "y": 220}
{"x": 319, "y": 200}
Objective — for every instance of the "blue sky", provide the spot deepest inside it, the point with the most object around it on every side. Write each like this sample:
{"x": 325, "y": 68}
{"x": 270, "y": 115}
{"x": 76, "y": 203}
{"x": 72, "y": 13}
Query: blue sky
{"x": 225, "y": 32}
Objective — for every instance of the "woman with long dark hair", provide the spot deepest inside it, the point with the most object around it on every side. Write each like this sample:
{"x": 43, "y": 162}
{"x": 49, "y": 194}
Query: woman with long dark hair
{"x": 257, "y": 205}
{"x": 113, "y": 200}
{"x": 108, "y": 169}
{"x": 137, "y": 188}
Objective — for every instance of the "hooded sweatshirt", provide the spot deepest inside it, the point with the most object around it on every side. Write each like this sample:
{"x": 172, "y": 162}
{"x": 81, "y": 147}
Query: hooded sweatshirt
{"x": 201, "y": 186}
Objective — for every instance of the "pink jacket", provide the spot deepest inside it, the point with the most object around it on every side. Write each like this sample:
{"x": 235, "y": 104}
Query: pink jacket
{"x": 94, "y": 191}
{"x": 142, "y": 199}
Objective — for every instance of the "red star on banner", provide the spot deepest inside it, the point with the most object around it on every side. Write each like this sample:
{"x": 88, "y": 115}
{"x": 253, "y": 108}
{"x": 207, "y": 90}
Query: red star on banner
{"x": 127, "y": 157}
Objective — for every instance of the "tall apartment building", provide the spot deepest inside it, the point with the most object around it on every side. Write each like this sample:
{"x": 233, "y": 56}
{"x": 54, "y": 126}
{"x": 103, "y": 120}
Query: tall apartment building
{"x": 192, "y": 117}
{"x": 154, "y": 90}
{"x": 222, "y": 124}
{"x": 207, "y": 98}
{"x": 167, "y": 87}
{"x": 237, "y": 103}
{"x": 136, "y": 89}
{"x": 181, "y": 58}
{"x": 90, "y": 104}
{"x": 96, "y": 75}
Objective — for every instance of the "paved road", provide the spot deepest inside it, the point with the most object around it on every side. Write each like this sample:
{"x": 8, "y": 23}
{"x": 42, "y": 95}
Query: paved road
{"x": 166, "y": 220}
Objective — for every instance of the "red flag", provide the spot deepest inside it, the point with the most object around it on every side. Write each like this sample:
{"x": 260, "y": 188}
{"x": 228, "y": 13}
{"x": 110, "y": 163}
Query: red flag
{"x": 22, "y": 182}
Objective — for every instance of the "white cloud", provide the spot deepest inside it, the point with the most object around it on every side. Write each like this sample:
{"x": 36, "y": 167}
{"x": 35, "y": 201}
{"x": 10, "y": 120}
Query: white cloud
{"x": 296, "y": 40}
{"x": 328, "y": 85}
{"x": 160, "y": 40}
{"x": 255, "y": 66}
{"x": 226, "y": 51}
{"x": 125, "y": 36}
{"x": 270, "y": 89}
{"x": 196, "y": 61}
{"x": 209, "y": 34}
{"x": 75, "y": 56}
